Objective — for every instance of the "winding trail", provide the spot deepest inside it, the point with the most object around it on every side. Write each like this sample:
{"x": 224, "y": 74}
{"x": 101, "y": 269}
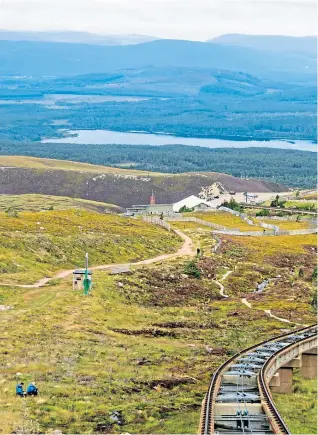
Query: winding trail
{"x": 187, "y": 249}
{"x": 248, "y": 304}
{"x": 269, "y": 313}
{"x": 219, "y": 283}
{"x": 282, "y": 319}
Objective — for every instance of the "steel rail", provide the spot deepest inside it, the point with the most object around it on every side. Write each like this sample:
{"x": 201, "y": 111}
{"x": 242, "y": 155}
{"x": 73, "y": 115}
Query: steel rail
{"x": 206, "y": 413}
{"x": 263, "y": 384}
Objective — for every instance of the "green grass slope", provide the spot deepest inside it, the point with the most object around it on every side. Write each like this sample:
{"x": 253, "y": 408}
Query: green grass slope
{"x": 35, "y": 244}
{"x": 143, "y": 344}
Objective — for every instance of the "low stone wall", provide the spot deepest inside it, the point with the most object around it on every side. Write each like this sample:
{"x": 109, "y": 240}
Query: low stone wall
{"x": 282, "y": 218}
{"x": 244, "y": 233}
{"x": 269, "y": 230}
{"x": 157, "y": 221}
{"x": 245, "y": 218}
{"x": 226, "y": 230}
{"x": 299, "y": 232}
{"x": 266, "y": 233}
{"x": 312, "y": 222}
{"x": 198, "y": 221}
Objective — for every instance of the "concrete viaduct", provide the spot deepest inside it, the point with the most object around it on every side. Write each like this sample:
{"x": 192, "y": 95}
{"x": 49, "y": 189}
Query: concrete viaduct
{"x": 239, "y": 398}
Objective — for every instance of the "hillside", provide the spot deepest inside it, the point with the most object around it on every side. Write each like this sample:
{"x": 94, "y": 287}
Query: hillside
{"x": 47, "y": 202}
{"x": 35, "y": 244}
{"x": 49, "y": 58}
{"x": 298, "y": 168}
{"x": 137, "y": 355}
{"x": 121, "y": 187}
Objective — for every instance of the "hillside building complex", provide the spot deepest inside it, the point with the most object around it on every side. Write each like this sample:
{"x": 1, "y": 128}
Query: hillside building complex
{"x": 192, "y": 202}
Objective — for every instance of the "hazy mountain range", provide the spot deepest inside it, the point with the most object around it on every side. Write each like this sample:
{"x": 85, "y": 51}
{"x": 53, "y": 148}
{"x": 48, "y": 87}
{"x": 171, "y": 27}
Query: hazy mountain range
{"x": 286, "y": 44}
{"x": 241, "y": 86}
{"x": 306, "y": 44}
{"x": 37, "y": 58}
{"x": 74, "y": 37}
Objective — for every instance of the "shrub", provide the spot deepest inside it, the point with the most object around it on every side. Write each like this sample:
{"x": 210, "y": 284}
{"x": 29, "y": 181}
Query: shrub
{"x": 185, "y": 209}
{"x": 191, "y": 269}
{"x": 278, "y": 203}
{"x": 264, "y": 212}
{"x": 12, "y": 212}
{"x": 233, "y": 205}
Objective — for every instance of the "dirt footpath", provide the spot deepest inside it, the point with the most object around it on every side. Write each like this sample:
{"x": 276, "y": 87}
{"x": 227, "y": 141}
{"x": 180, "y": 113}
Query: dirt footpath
{"x": 187, "y": 249}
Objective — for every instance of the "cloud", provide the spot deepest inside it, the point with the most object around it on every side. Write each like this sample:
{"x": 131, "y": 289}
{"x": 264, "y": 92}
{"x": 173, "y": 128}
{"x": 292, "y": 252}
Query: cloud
{"x": 188, "y": 19}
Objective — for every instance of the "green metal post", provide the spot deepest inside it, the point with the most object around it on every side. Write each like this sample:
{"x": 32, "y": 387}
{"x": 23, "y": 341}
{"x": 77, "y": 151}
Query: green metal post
{"x": 87, "y": 282}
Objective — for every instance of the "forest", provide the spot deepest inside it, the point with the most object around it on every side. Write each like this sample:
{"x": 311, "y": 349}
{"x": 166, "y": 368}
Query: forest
{"x": 189, "y": 102}
{"x": 202, "y": 116}
{"x": 290, "y": 167}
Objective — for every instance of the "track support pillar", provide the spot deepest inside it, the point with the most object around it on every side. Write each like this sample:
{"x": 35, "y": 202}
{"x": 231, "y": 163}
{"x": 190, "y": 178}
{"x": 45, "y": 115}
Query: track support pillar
{"x": 285, "y": 386}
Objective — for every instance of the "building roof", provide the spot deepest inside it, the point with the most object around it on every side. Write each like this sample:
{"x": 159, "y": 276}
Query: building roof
{"x": 189, "y": 202}
{"x": 150, "y": 205}
{"x": 160, "y": 205}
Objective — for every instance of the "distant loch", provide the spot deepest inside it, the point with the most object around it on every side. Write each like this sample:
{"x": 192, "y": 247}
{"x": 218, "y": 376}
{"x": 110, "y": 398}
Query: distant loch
{"x": 107, "y": 137}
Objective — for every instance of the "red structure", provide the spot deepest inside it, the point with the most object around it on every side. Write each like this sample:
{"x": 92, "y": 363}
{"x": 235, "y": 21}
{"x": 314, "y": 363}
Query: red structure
{"x": 152, "y": 199}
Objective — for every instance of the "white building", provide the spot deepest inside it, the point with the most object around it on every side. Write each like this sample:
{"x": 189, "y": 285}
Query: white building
{"x": 191, "y": 202}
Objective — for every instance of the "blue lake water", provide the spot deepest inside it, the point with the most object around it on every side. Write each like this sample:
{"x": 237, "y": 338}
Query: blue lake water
{"x": 51, "y": 100}
{"x": 106, "y": 137}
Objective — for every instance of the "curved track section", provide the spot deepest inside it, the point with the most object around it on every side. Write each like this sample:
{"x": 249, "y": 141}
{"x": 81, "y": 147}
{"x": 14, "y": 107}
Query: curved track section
{"x": 239, "y": 400}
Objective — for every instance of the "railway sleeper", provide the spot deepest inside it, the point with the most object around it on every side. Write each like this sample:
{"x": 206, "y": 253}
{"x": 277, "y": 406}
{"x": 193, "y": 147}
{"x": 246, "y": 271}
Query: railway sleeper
{"x": 246, "y": 366}
{"x": 238, "y": 396}
{"x": 230, "y": 388}
{"x": 256, "y": 422}
{"x": 240, "y": 377}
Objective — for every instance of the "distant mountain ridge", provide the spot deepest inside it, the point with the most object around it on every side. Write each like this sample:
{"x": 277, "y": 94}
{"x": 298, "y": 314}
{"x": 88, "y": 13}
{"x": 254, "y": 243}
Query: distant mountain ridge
{"x": 284, "y": 44}
{"x": 58, "y": 59}
{"x": 74, "y": 37}
{"x": 301, "y": 44}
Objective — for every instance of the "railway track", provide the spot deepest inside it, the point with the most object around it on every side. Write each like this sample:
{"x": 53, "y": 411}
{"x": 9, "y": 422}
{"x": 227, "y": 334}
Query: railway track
{"x": 238, "y": 399}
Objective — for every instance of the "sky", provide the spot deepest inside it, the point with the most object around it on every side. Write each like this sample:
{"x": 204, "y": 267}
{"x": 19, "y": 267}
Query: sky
{"x": 180, "y": 19}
